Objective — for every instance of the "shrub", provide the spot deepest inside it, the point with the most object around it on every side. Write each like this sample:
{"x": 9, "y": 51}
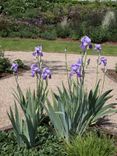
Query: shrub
{"x": 5, "y": 65}
{"x": 63, "y": 31}
{"x": 4, "y": 33}
{"x": 20, "y": 63}
{"x": 49, "y": 35}
{"x": 80, "y": 16}
{"x": 24, "y": 31}
{"x": 74, "y": 35}
{"x": 99, "y": 34}
{"x": 91, "y": 145}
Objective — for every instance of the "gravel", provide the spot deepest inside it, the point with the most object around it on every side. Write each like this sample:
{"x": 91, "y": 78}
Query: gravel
{"x": 56, "y": 61}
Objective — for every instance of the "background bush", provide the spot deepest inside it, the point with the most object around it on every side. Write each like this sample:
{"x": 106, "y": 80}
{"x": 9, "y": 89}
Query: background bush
{"x": 33, "y": 19}
{"x": 5, "y": 65}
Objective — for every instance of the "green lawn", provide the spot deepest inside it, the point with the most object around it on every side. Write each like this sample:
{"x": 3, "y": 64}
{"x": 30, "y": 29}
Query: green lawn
{"x": 16, "y": 44}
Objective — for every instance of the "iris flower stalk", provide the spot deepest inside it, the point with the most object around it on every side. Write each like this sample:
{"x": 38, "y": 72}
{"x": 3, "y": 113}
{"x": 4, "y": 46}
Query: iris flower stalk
{"x": 98, "y": 48}
{"x": 14, "y": 68}
{"x": 104, "y": 62}
{"x": 85, "y": 44}
{"x": 38, "y": 54}
{"x": 97, "y": 68}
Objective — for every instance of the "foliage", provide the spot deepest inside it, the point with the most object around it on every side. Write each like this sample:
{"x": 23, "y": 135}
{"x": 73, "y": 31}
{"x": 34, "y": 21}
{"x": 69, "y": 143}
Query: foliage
{"x": 31, "y": 105}
{"x": 26, "y": 19}
{"x": 4, "y": 65}
{"x": 63, "y": 31}
{"x": 50, "y": 35}
{"x": 73, "y": 109}
{"x": 99, "y": 35}
{"x": 91, "y": 145}
{"x": 48, "y": 144}
{"x": 20, "y": 63}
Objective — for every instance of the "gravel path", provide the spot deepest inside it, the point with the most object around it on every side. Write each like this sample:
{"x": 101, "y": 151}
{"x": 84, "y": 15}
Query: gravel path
{"x": 56, "y": 62}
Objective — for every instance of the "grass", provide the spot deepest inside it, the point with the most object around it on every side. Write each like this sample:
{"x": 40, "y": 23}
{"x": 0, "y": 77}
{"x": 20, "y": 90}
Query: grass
{"x": 17, "y": 44}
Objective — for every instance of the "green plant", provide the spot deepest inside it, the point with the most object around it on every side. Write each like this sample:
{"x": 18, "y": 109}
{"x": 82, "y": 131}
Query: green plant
{"x": 48, "y": 144}
{"x": 4, "y": 65}
{"x": 50, "y": 35}
{"x": 63, "y": 31}
{"x": 91, "y": 145}
{"x": 99, "y": 34}
{"x": 73, "y": 110}
{"x": 20, "y": 63}
{"x": 31, "y": 105}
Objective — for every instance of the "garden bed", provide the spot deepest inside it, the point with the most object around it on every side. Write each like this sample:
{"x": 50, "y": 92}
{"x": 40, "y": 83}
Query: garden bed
{"x": 48, "y": 143}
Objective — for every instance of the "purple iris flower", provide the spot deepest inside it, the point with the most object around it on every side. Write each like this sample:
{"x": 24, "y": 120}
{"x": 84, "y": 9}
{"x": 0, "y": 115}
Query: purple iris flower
{"x": 35, "y": 70}
{"x": 85, "y": 42}
{"x": 38, "y": 51}
{"x": 98, "y": 47}
{"x": 77, "y": 72}
{"x": 14, "y": 67}
{"x": 103, "y": 61}
{"x": 46, "y": 73}
{"x": 76, "y": 68}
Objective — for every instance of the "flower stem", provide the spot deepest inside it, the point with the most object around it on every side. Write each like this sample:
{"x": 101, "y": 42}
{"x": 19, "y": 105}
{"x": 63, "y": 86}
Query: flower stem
{"x": 97, "y": 69}
{"x": 103, "y": 82}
